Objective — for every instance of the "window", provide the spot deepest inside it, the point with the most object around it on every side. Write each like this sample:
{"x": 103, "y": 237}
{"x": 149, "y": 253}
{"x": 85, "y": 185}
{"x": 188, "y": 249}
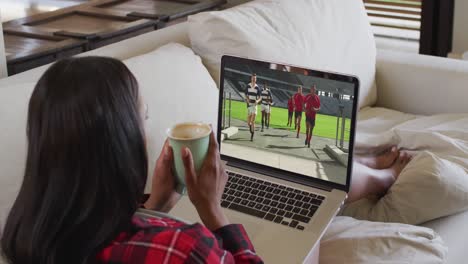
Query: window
{"x": 420, "y": 26}
{"x": 396, "y": 23}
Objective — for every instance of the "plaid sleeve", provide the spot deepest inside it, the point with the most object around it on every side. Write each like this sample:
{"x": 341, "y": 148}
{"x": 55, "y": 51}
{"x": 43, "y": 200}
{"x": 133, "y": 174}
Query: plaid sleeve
{"x": 235, "y": 240}
{"x": 208, "y": 249}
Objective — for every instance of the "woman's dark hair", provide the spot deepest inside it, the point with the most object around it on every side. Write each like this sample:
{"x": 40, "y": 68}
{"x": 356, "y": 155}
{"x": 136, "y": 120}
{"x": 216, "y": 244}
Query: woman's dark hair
{"x": 86, "y": 165}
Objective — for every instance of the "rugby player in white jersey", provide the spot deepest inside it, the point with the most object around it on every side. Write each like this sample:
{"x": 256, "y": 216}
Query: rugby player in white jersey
{"x": 253, "y": 98}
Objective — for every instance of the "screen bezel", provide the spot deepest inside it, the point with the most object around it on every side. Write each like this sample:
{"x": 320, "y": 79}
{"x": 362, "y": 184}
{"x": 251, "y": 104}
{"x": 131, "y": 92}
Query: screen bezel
{"x": 283, "y": 174}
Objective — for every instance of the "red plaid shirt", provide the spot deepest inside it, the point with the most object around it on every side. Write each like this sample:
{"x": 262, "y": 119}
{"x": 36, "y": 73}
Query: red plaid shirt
{"x": 165, "y": 240}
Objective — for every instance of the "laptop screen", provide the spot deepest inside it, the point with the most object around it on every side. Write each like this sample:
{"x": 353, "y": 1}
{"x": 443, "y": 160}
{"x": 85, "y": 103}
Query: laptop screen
{"x": 288, "y": 118}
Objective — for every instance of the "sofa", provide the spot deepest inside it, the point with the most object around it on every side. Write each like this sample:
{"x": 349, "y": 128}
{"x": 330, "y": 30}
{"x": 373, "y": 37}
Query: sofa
{"x": 408, "y": 84}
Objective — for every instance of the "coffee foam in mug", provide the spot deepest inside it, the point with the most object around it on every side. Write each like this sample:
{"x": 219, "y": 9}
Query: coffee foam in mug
{"x": 187, "y": 131}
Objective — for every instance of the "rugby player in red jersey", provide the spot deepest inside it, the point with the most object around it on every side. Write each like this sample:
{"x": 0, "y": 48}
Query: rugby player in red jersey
{"x": 312, "y": 106}
{"x": 298, "y": 100}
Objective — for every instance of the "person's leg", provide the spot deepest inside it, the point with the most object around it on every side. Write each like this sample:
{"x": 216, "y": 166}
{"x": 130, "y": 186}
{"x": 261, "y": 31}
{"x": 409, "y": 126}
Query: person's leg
{"x": 296, "y": 116}
{"x": 268, "y": 119}
{"x": 309, "y": 137}
{"x": 307, "y": 132}
{"x": 254, "y": 117}
{"x": 380, "y": 161}
{"x": 248, "y": 116}
{"x": 368, "y": 181}
{"x": 249, "y": 120}
{"x": 253, "y": 127}
{"x": 299, "y": 120}
{"x": 263, "y": 119}
{"x": 311, "y": 130}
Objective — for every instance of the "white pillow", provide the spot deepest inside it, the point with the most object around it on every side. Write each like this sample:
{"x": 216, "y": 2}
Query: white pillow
{"x": 177, "y": 88}
{"x": 374, "y": 127}
{"x": 332, "y": 35}
{"x": 428, "y": 188}
{"x": 352, "y": 241}
{"x": 14, "y": 102}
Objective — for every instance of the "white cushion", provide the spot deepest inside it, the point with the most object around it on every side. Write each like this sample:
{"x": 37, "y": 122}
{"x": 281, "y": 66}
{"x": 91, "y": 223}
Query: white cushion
{"x": 177, "y": 88}
{"x": 332, "y": 35}
{"x": 428, "y": 188}
{"x": 374, "y": 127}
{"x": 352, "y": 241}
{"x": 435, "y": 183}
{"x": 438, "y": 134}
{"x": 13, "y": 115}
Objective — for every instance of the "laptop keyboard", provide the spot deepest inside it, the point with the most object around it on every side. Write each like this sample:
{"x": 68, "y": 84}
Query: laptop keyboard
{"x": 273, "y": 202}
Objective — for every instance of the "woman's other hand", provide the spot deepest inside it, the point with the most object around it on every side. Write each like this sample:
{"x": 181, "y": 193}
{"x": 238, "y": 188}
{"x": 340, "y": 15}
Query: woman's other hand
{"x": 163, "y": 195}
{"x": 206, "y": 188}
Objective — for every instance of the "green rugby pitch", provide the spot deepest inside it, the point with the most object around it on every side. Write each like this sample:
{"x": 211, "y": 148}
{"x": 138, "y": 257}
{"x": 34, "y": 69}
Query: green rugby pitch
{"x": 325, "y": 125}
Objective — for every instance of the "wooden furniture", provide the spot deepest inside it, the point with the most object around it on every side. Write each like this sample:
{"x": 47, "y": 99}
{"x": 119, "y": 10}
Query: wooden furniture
{"x": 25, "y": 51}
{"x": 43, "y": 38}
{"x": 166, "y": 11}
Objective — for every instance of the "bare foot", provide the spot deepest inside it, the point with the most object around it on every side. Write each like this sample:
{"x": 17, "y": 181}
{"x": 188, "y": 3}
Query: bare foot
{"x": 384, "y": 179}
{"x": 381, "y": 161}
{"x": 400, "y": 164}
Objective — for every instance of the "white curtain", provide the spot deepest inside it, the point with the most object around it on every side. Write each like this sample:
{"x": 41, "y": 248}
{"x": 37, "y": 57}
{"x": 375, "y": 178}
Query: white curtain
{"x": 3, "y": 65}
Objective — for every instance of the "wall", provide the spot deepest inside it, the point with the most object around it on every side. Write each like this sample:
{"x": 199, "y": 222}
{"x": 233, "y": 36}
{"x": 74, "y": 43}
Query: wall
{"x": 460, "y": 31}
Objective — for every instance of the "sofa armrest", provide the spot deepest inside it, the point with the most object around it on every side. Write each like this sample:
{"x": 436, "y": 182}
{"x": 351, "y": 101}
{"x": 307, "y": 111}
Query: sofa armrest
{"x": 419, "y": 84}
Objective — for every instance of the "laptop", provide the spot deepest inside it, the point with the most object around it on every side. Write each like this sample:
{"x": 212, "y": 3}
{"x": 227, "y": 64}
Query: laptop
{"x": 284, "y": 188}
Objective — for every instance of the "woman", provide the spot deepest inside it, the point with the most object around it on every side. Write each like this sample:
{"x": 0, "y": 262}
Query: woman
{"x": 86, "y": 171}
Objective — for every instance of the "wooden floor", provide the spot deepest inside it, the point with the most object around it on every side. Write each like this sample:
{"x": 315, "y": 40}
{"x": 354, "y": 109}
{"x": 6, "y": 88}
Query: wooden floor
{"x": 13, "y": 9}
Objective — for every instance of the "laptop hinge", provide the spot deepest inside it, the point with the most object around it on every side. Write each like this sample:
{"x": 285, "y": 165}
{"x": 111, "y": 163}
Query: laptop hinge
{"x": 280, "y": 175}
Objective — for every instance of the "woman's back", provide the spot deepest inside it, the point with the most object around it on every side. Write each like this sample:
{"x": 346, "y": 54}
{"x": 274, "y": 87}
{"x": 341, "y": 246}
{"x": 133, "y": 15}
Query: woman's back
{"x": 85, "y": 173}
